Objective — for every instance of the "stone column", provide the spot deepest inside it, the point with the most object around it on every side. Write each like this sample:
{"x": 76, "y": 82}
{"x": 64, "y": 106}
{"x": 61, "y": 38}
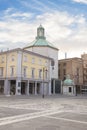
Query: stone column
{"x": 61, "y": 87}
{"x": 49, "y": 88}
{"x": 18, "y": 87}
{"x": 54, "y": 86}
{"x": 41, "y": 88}
{"x": 6, "y": 87}
{"x": 27, "y": 88}
{"x": 35, "y": 88}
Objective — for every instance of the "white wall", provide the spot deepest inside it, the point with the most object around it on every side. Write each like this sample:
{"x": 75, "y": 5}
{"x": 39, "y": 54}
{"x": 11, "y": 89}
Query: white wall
{"x": 49, "y": 52}
{"x": 19, "y": 62}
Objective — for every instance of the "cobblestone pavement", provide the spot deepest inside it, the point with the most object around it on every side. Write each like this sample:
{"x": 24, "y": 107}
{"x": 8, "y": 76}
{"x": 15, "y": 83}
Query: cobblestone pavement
{"x": 51, "y": 113}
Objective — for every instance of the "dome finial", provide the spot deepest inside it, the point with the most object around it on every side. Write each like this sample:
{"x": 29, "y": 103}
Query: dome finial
{"x": 40, "y": 32}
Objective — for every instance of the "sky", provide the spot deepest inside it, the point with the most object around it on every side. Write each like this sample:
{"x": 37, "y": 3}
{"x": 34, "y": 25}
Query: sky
{"x": 65, "y": 23}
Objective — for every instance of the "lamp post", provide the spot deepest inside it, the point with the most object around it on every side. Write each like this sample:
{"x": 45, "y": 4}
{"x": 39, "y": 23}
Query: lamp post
{"x": 44, "y": 70}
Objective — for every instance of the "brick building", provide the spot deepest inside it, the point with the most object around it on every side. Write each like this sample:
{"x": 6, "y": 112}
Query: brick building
{"x": 73, "y": 67}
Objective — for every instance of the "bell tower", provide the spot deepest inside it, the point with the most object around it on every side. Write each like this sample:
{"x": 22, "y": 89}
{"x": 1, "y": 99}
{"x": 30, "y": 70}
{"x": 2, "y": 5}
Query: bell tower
{"x": 40, "y": 33}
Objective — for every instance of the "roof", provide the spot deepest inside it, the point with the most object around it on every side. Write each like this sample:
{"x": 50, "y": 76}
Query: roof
{"x": 70, "y": 59}
{"x": 40, "y": 40}
{"x": 41, "y": 43}
{"x": 68, "y": 81}
{"x": 26, "y": 51}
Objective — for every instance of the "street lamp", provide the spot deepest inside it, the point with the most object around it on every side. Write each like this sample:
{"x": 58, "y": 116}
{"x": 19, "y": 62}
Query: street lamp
{"x": 44, "y": 70}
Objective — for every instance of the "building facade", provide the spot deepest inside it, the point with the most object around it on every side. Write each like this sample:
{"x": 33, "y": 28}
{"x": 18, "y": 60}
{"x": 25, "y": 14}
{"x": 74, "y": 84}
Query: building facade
{"x": 43, "y": 47}
{"x": 74, "y": 68}
{"x": 24, "y": 72}
{"x": 84, "y": 60}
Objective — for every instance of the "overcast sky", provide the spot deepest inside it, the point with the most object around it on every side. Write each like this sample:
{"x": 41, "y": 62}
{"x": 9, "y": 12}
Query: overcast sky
{"x": 65, "y": 23}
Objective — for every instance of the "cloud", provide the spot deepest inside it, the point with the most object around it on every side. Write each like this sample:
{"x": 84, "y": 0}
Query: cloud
{"x": 81, "y": 1}
{"x": 67, "y": 32}
{"x": 36, "y": 5}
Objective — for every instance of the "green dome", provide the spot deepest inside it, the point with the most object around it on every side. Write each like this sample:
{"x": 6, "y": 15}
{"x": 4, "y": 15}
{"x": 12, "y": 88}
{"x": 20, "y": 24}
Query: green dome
{"x": 68, "y": 81}
{"x": 40, "y": 40}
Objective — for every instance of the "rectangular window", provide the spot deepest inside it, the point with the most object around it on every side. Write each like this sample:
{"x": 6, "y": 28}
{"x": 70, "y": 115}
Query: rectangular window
{"x": 2, "y": 59}
{"x": 12, "y": 71}
{"x": 33, "y": 60}
{"x": 77, "y": 71}
{"x": 12, "y": 58}
{"x": 1, "y": 71}
{"x": 40, "y": 61}
{"x": 32, "y": 72}
{"x": 59, "y": 72}
{"x": 46, "y": 63}
{"x": 25, "y": 58}
{"x": 19, "y": 84}
{"x": 40, "y": 73}
{"x": 64, "y": 64}
{"x": 64, "y": 72}
{"x": 46, "y": 74}
{"x": 24, "y": 71}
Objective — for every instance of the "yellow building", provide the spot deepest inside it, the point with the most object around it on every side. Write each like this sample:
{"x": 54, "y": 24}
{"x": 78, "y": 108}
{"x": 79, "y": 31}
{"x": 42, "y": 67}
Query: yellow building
{"x": 24, "y": 72}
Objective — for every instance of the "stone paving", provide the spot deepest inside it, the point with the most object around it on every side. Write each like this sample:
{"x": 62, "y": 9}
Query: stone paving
{"x": 51, "y": 113}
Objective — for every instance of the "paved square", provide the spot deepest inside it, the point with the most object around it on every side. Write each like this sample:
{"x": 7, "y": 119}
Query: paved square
{"x": 51, "y": 113}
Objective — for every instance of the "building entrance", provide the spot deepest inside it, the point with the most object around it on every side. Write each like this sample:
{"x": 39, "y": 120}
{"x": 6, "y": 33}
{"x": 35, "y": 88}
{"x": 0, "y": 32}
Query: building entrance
{"x": 1, "y": 87}
{"x": 31, "y": 88}
{"x": 12, "y": 87}
{"x": 57, "y": 86}
{"x": 23, "y": 88}
{"x": 38, "y": 88}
